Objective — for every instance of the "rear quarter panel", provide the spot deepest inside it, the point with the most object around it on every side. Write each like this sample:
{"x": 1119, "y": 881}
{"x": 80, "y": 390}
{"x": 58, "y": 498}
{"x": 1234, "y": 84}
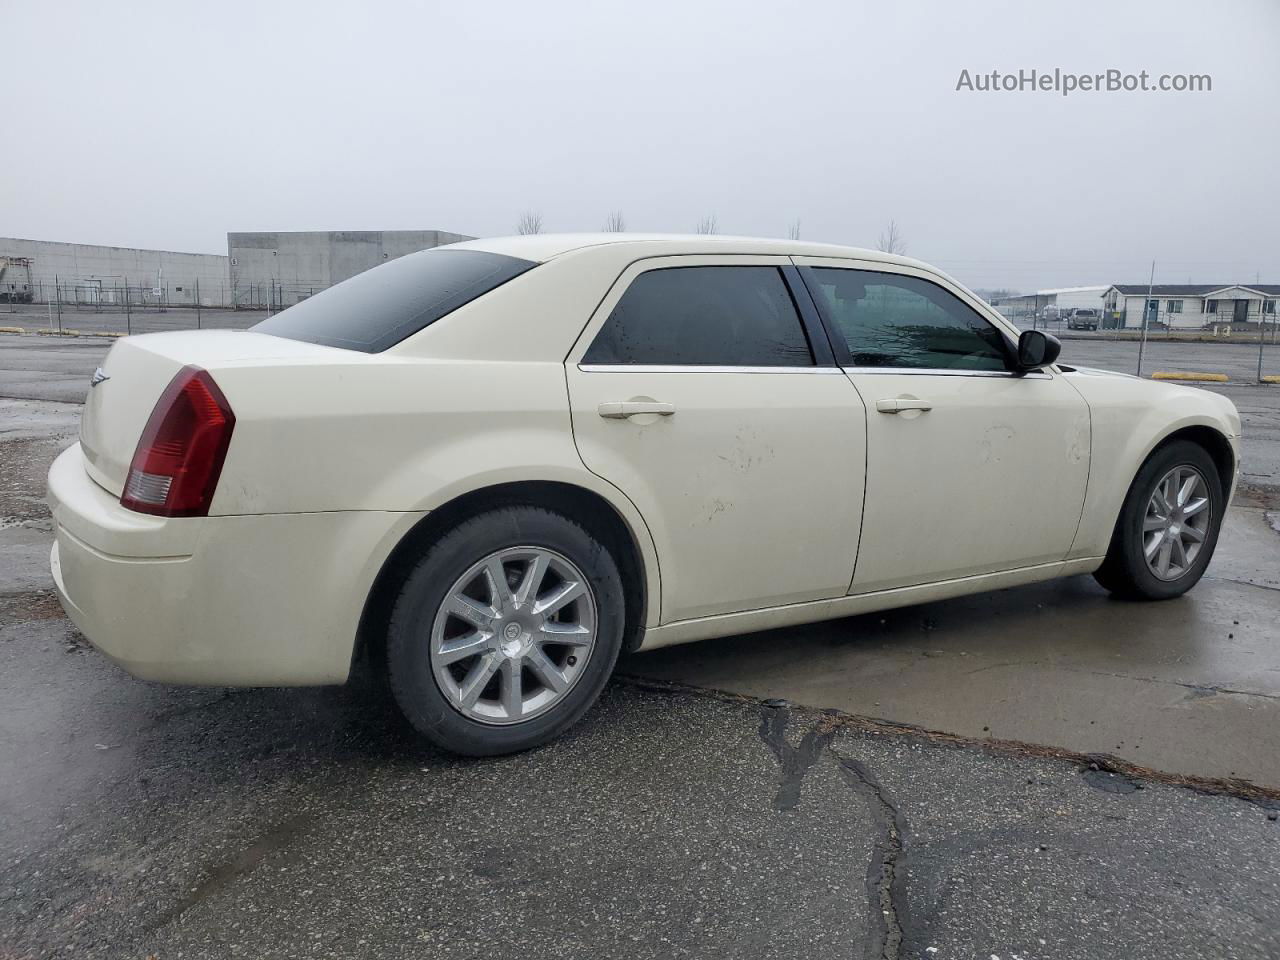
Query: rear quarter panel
{"x": 402, "y": 435}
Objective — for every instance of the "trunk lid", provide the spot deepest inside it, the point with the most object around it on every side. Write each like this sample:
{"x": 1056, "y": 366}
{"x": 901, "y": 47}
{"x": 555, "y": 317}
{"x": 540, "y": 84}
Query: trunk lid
{"x": 137, "y": 369}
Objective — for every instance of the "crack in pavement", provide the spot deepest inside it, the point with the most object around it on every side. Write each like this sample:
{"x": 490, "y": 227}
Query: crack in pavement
{"x": 793, "y": 761}
{"x": 1244, "y": 790}
{"x": 1198, "y": 689}
{"x": 1243, "y": 583}
{"x": 886, "y": 893}
{"x": 885, "y": 883}
{"x": 1195, "y": 688}
{"x": 275, "y": 838}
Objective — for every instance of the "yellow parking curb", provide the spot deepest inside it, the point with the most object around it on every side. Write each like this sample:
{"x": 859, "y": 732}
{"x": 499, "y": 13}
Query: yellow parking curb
{"x": 12, "y": 330}
{"x": 1203, "y": 377}
{"x": 1271, "y": 378}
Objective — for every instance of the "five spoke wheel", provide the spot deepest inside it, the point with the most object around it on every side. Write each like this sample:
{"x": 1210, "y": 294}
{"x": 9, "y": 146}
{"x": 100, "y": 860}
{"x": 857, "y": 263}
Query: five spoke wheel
{"x": 513, "y": 635}
{"x": 1177, "y": 521}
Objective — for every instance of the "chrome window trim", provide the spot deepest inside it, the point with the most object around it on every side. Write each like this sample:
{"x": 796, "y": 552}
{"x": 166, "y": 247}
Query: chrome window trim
{"x": 943, "y": 372}
{"x": 693, "y": 368}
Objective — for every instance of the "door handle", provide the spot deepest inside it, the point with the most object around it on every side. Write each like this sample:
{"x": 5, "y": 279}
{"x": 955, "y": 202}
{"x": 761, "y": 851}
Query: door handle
{"x": 620, "y": 410}
{"x": 898, "y": 404}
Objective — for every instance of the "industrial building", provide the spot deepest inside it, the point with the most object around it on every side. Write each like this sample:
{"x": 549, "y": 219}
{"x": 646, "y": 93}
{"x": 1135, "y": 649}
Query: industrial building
{"x": 1064, "y": 298}
{"x": 276, "y": 270}
{"x": 97, "y": 275}
{"x": 260, "y": 270}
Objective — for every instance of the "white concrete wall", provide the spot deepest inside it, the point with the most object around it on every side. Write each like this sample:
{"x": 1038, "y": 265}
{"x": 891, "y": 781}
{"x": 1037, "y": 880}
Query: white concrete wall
{"x": 291, "y": 266}
{"x": 90, "y": 273}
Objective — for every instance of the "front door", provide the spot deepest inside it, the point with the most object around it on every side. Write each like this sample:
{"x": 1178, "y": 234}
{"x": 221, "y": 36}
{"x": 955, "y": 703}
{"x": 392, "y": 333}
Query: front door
{"x": 694, "y": 390}
{"x": 1240, "y": 311}
{"x": 971, "y": 469}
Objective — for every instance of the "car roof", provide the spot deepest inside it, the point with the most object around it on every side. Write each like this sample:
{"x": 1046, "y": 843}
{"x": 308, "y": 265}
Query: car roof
{"x": 541, "y": 247}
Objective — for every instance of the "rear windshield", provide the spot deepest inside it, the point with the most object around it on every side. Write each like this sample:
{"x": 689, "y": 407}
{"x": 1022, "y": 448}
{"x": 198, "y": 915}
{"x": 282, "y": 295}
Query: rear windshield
{"x": 377, "y": 309}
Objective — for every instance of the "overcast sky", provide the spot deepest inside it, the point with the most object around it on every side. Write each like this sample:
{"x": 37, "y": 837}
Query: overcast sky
{"x": 169, "y": 124}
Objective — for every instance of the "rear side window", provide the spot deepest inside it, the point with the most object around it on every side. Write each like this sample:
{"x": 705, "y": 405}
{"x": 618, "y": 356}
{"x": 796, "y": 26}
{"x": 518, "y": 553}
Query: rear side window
{"x": 377, "y": 309}
{"x": 705, "y": 316}
{"x": 892, "y": 320}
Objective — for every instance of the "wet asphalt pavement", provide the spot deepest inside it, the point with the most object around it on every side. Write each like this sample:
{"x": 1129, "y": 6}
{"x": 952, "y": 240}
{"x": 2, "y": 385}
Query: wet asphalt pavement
{"x": 141, "y": 820}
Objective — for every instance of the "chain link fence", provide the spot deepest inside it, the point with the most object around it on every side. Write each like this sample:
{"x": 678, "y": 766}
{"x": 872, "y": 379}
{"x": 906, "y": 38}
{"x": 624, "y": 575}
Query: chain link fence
{"x": 128, "y": 306}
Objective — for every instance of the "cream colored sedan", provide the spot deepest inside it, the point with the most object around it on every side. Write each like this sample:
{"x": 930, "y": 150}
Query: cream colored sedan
{"x": 493, "y": 466}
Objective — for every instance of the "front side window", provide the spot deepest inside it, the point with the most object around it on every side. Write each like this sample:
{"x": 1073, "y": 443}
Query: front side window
{"x": 704, "y": 316}
{"x": 1175, "y": 306}
{"x": 889, "y": 320}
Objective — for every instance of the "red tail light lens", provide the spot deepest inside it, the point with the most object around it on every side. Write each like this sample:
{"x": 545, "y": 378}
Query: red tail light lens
{"x": 179, "y": 457}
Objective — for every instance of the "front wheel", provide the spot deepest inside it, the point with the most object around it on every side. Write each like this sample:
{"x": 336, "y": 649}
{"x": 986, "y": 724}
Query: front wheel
{"x": 505, "y": 631}
{"x": 1168, "y": 526}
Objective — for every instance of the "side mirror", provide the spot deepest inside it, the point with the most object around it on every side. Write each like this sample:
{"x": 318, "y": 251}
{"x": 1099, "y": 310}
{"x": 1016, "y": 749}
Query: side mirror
{"x": 1037, "y": 348}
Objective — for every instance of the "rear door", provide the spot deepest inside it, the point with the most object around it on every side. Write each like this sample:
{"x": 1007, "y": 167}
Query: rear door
{"x": 699, "y": 390}
{"x": 971, "y": 468}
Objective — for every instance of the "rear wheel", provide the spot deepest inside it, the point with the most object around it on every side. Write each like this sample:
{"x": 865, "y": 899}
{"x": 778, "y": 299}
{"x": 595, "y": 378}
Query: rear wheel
{"x": 1168, "y": 526}
{"x": 505, "y": 632}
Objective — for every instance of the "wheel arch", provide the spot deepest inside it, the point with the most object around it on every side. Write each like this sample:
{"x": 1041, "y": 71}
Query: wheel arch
{"x": 1122, "y": 445}
{"x": 1207, "y": 436}
{"x": 631, "y": 548}
{"x": 1214, "y": 442}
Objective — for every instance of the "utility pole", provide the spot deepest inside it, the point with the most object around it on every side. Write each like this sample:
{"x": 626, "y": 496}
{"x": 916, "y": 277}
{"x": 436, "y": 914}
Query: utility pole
{"x": 197, "y": 303}
{"x": 128, "y": 314}
{"x": 1262, "y": 331}
{"x": 1146, "y": 313}
{"x": 57, "y": 295}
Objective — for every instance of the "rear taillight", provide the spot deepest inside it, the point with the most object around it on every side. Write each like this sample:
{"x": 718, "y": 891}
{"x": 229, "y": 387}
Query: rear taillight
{"x": 175, "y": 468}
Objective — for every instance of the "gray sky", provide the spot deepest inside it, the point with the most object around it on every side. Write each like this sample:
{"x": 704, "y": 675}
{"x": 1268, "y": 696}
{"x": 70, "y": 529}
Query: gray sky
{"x": 169, "y": 124}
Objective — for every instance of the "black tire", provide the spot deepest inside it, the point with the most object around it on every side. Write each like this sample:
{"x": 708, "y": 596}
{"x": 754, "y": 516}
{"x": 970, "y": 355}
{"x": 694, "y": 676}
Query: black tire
{"x": 1125, "y": 572}
{"x": 412, "y": 681}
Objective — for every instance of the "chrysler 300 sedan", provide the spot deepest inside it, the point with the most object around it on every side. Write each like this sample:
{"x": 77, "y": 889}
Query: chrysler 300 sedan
{"x": 490, "y": 467}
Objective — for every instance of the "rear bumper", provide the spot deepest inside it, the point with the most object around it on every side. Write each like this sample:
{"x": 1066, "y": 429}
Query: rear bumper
{"x": 267, "y": 600}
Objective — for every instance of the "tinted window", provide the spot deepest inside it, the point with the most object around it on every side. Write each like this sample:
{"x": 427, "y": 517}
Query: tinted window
{"x": 380, "y": 307}
{"x": 897, "y": 321}
{"x": 711, "y": 316}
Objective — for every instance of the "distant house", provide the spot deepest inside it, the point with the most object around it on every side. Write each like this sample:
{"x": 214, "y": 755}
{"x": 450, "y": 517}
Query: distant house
{"x": 1190, "y": 305}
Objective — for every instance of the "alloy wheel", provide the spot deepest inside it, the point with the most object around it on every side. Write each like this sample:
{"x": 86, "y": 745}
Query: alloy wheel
{"x": 1176, "y": 523}
{"x": 513, "y": 635}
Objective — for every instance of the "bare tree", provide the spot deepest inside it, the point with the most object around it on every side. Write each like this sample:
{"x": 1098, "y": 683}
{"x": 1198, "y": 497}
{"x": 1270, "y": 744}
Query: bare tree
{"x": 615, "y": 223}
{"x": 530, "y": 222}
{"x": 891, "y": 240}
{"x": 707, "y": 224}
{"x": 793, "y": 231}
